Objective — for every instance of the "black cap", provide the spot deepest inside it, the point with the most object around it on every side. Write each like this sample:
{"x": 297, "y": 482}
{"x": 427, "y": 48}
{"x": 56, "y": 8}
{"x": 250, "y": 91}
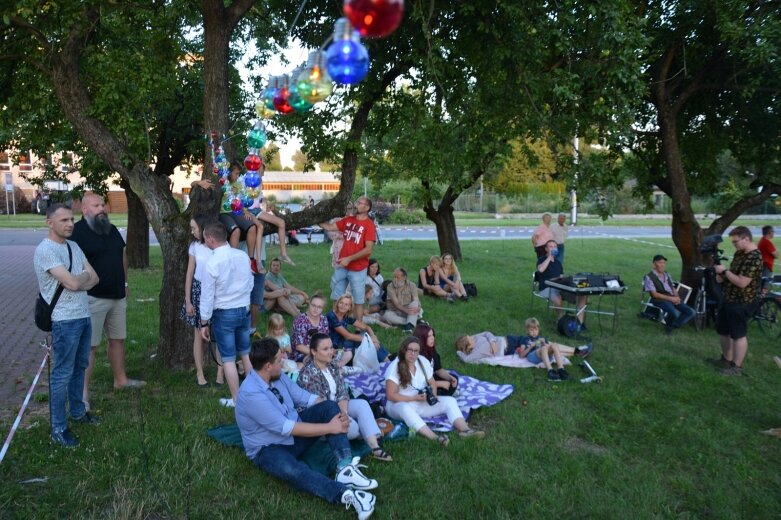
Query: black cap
{"x": 659, "y": 257}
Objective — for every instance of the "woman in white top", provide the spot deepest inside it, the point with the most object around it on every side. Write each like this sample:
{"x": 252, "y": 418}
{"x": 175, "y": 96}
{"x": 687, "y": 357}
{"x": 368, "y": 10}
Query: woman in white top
{"x": 322, "y": 376}
{"x": 198, "y": 255}
{"x": 406, "y": 381}
{"x": 374, "y": 279}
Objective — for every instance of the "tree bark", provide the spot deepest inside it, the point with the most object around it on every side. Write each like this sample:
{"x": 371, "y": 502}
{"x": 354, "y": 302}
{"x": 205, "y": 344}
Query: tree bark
{"x": 447, "y": 234}
{"x": 137, "y": 230}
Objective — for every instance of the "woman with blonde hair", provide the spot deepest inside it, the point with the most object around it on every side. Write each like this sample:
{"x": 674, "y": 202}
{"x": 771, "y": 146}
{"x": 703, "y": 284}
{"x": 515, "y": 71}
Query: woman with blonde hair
{"x": 429, "y": 279}
{"x": 450, "y": 278}
{"x": 339, "y": 321}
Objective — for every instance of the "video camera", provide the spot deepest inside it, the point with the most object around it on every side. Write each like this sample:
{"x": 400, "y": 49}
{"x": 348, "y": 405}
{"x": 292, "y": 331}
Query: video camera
{"x": 710, "y": 247}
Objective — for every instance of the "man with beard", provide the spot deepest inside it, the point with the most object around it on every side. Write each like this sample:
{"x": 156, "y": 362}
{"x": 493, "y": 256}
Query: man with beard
{"x": 105, "y": 250}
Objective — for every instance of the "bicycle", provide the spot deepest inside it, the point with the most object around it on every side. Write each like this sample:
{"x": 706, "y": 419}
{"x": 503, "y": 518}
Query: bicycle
{"x": 706, "y": 304}
{"x": 378, "y": 229}
{"x": 768, "y": 312}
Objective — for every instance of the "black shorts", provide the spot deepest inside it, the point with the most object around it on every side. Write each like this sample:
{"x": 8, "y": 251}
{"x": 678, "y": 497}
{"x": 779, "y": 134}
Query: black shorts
{"x": 732, "y": 319}
{"x": 231, "y": 222}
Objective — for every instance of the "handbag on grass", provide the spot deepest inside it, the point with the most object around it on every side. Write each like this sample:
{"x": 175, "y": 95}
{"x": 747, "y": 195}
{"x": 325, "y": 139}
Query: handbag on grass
{"x": 43, "y": 310}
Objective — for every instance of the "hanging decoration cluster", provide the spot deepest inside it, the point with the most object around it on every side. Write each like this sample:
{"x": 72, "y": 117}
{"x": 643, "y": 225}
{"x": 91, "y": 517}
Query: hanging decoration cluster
{"x": 345, "y": 62}
{"x": 240, "y": 191}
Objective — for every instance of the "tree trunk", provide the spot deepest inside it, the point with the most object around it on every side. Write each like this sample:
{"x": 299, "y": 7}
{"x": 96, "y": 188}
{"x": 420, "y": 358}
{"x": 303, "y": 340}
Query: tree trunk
{"x": 686, "y": 231}
{"x": 447, "y": 234}
{"x": 137, "y": 230}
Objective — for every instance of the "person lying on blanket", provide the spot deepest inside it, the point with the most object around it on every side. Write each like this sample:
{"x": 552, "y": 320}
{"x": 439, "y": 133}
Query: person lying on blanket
{"x": 534, "y": 348}
{"x": 408, "y": 383}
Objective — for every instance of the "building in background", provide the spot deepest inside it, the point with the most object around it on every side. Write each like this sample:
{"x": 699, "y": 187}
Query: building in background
{"x": 283, "y": 186}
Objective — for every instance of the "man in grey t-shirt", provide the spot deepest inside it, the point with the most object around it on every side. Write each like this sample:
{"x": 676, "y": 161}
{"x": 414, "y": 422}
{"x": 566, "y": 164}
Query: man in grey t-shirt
{"x": 59, "y": 261}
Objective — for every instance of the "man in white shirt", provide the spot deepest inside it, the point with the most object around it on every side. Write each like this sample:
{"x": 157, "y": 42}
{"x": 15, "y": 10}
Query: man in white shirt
{"x": 225, "y": 299}
{"x": 560, "y": 231}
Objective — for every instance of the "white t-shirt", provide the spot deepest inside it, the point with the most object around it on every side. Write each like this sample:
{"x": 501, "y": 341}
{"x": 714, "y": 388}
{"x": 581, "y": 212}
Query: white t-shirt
{"x": 419, "y": 378}
{"x": 331, "y": 384}
{"x": 202, "y": 254}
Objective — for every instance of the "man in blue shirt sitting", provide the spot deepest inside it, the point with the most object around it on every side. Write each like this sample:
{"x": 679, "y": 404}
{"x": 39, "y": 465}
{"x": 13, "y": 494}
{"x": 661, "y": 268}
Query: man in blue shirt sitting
{"x": 275, "y": 435}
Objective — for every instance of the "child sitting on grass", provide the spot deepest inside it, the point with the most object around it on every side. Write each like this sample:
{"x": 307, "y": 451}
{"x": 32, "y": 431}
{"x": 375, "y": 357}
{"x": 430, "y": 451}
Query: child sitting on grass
{"x": 532, "y": 347}
{"x": 275, "y": 328}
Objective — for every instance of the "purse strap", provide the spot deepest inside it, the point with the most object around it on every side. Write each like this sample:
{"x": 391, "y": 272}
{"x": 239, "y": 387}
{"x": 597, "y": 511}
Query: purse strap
{"x": 60, "y": 288}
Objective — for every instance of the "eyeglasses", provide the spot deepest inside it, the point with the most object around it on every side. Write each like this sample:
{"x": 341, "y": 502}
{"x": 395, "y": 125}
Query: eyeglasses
{"x": 315, "y": 306}
{"x": 413, "y": 351}
{"x": 279, "y": 396}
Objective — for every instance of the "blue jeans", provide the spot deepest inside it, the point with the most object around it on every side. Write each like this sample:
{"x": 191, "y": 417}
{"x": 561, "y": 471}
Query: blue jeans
{"x": 258, "y": 288}
{"x": 677, "y": 315}
{"x": 231, "y": 332}
{"x": 281, "y": 461}
{"x": 70, "y": 347}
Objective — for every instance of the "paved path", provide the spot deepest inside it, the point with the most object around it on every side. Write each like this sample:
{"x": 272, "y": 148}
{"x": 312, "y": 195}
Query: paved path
{"x": 19, "y": 351}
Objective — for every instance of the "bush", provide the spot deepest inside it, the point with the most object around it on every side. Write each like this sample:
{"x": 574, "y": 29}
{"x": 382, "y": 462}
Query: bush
{"x": 382, "y": 210}
{"x": 405, "y": 216}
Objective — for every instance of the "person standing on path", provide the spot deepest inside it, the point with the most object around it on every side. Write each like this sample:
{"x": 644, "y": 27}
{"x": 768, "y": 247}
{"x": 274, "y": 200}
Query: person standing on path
{"x": 560, "y": 232}
{"x": 542, "y": 235}
{"x": 59, "y": 261}
{"x": 105, "y": 249}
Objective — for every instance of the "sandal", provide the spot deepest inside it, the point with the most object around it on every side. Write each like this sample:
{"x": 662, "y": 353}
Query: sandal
{"x": 380, "y": 454}
{"x": 444, "y": 440}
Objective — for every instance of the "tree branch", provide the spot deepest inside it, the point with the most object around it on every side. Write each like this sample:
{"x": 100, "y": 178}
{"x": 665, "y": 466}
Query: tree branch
{"x": 24, "y": 24}
{"x": 739, "y": 207}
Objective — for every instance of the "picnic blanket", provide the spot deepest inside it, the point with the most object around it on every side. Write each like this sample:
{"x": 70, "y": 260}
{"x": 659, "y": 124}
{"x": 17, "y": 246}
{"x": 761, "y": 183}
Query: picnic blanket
{"x": 318, "y": 456}
{"x": 472, "y": 394}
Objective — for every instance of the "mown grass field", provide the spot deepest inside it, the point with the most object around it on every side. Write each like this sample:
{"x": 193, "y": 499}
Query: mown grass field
{"x": 664, "y": 436}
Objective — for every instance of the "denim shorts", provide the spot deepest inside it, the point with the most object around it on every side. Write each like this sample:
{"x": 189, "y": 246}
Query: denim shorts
{"x": 357, "y": 281}
{"x": 230, "y": 328}
{"x": 533, "y": 357}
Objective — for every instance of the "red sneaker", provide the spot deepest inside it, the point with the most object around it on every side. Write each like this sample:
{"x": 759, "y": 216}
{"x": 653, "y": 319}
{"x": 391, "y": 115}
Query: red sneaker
{"x": 253, "y": 265}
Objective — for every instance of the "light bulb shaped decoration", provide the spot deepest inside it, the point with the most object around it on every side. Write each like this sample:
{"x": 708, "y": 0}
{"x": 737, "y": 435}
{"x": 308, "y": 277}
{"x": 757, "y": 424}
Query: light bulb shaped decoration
{"x": 236, "y": 205}
{"x": 298, "y": 103}
{"x": 267, "y": 96}
{"x": 256, "y": 136}
{"x": 252, "y": 180}
{"x": 314, "y": 84}
{"x": 346, "y": 58}
{"x": 374, "y": 18}
{"x": 282, "y": 96}
{"x": 253, "y": 162}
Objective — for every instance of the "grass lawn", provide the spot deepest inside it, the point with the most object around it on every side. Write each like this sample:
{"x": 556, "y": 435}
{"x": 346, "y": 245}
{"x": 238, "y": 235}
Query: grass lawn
{"x": 663, "y": 436}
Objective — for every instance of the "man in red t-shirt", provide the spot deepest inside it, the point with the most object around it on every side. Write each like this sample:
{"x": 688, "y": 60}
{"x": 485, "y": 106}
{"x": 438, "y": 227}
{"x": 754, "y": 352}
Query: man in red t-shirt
{"x": 769, "y": 253}
{"x": 359, "y": 238}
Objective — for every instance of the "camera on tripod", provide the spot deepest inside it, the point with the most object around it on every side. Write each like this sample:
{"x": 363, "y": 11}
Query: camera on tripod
{"x": 710, "y": 247}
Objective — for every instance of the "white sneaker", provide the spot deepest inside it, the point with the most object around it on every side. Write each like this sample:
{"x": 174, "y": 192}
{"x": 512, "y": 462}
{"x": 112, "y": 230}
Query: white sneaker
{"x": 227, "y": 403}
{"x": 362, "y": 501}
{"x": 352, "y": 477}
